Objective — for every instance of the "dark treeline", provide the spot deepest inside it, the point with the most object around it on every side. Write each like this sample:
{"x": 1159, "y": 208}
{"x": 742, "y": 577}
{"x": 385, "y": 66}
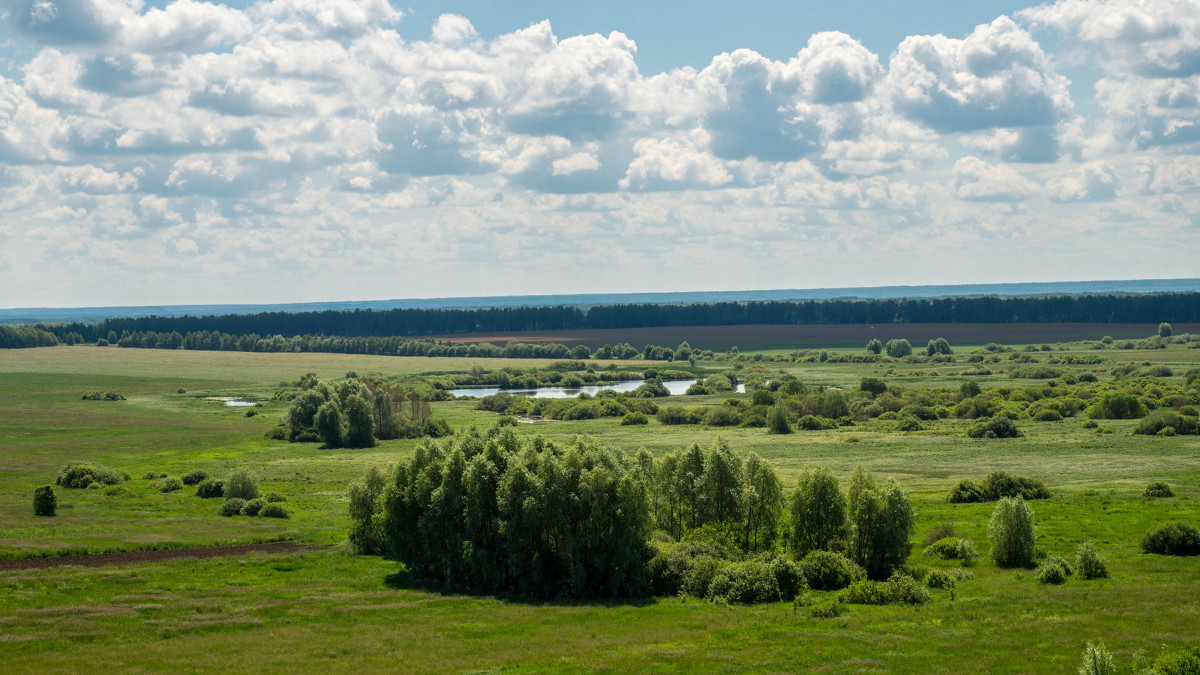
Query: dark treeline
{"x": 1149, "y": 308}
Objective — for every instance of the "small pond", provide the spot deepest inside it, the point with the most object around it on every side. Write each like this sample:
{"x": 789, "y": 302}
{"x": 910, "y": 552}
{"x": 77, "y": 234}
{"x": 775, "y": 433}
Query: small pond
{"x": 231, "y": 401}
{"x": 676, "y": 388}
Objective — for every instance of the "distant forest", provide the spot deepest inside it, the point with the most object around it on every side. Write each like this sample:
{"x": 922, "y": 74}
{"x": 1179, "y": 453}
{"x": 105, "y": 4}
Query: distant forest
{"x": 1141, "y": 308}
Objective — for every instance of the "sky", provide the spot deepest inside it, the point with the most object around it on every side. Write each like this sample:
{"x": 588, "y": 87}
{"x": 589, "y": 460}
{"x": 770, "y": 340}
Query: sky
{"x": 317, "y": 150}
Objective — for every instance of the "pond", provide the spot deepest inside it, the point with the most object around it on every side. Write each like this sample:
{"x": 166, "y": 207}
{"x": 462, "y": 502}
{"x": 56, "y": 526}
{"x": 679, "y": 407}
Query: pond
{"x": 231, "y": 401}
{"x": 676, "y": 388}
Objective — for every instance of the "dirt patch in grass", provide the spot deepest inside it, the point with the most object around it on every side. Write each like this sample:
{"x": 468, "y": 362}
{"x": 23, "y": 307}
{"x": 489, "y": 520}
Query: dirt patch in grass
{"x": 135, "y": 557}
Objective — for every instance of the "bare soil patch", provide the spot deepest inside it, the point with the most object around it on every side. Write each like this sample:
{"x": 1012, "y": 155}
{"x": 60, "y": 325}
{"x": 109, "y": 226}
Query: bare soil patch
{"x": 134, "y": 557}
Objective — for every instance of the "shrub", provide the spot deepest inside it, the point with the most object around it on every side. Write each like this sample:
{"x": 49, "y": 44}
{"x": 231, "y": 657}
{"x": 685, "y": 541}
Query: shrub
{"x": 1118, "y": 406}
{"x": 274, "y": 498}
{"x": 723, "y": 416}
{"x": 1090, "y": 424}
{"x": 210, "y": 488}
{"x": 939, "y": 532}
{"x": 1061, "y": 562}
{"x": 908, "y": 423}
{"x": 1088, "y": 562}
{"x": 153, "y": 475}
{"x": 829, "y": 571}
{"x": 634, "y": 418}
{"x": 966, "y": 492}
{"x": 1097, "y": 661}
{"x": 788, "y": 576}
{"x": 1161, "y": 420}
{"x": 1051, "y": 573}
{"x": 674, "y": 415}
{"x": 1011, "y": 532}
{"x": 506, "y": 421}
{"x": 999, "y": 484}
{"x": 777, "y": 421}
{"x": 762, "y": 397}
{"x": 169, "y": 485}
{"x": 1172, "y": 539}
{"x": 1183, "y": 662}
{"x": 866, "y": 592}
{"x": 252, "y": 507}
{"x": 1048, "y": 416}
{"x": 940, "y": 579}
{"x": 194, "y": 476}
{"x": 116, "y": 491}
{"x": 83, "y": 474}
{"x": 1158, "y": 489}
{"x": 826, "y": 610}
{"x": 241, "y": 483}
{"x": 905, "y": 589}
{"x": 232, "y": 507}
{"x": 744, "y": 583}
{"x": 953, "y": 548}
{"x": 45, "y": 502}
{"x": 272, "y": 510}
{"x": 996, "y": 427}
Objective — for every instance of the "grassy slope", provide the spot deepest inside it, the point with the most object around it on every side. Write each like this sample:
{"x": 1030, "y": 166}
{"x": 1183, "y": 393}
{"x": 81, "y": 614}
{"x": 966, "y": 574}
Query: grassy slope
{"x": 337, "y": 610}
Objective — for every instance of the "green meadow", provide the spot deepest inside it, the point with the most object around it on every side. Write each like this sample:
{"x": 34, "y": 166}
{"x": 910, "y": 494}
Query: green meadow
{"x": 328, "y": 609}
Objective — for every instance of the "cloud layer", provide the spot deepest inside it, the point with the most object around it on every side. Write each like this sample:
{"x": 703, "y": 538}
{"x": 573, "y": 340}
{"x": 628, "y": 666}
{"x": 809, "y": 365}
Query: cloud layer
{"x": 302, "y": 150}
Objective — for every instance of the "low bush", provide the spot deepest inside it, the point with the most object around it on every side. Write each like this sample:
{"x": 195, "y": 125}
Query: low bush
{"x": 825, "y": 610}
{"x": 169, "y": 485}
{"x": 1172, "y": 539}
{"x": 232, "y": 507}
{"x": 1048, "y": 416}
{"x": 953, "y": 548}
{"x": 999, "y": 484}
{"x": 1158, "y": 489}
{"x": 906, "y": 590}
{"x": 744, "y": 583}
{"x": 210, "y": 488}
{"x": 724, "y": 416}
{"x": 866, "y": 592}
{"x": 1160, "y": 420}
{"x": 116, "y": 491}
{"x": 1088, "y": 562}
{"x": 506, "y": 421}
{"x": 242, "y": 484}
{"x": 940, "y": 579}
{"x": 1097, "y": 661}
{"x": 45, "y": 502}
{"x": 103, "y": 396}
{"x": 1183, "y": 662}
{"x": 675, "y": 415}
{"x": 634, "y": 418}
{"x": 966, "y": 492}
{"x": 153, "y": 475}
{"x": 274, "y": 498}
{"x": 272, "y": 510}
{"x": 1050, "y": 573}
{"x": 252, "y": 507}
{"x": 813, "y": 423}
{"x": 939, "y": 532}
{"x": 82, "y": 474}
{"x": 829, "y": 571}
{"x": 995, "y": 427}
{"x": 194, "y": 476}
{"x": 1090, "y": 424}
{"x": 1061, "y": 562}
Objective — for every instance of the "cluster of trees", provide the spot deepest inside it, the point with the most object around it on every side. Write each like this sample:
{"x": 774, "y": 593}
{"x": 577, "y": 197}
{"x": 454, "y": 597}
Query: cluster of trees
{"x": 1146, "y": 308}
{"x": 491, "y": 512}
{"x": 606, "y": 404}
{"x": 354, "y": 413}
{"x": 22, "y": 337}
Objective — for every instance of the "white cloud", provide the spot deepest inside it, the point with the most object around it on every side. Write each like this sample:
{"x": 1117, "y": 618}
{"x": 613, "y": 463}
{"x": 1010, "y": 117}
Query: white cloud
{"x": 1097, "y": 181}
{"x": 976, "y": 180}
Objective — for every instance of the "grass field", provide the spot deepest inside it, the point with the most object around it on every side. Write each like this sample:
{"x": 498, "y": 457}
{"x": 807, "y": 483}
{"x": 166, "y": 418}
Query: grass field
{"x": 331, "y": 610}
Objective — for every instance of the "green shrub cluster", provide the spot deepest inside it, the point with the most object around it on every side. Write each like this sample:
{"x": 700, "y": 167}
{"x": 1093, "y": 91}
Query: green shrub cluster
{"x": 940, "y": 579}
{"x": 45, "y": 502}
{"x": 1158, "y": 488}
{"x": 273, "y": 510}
{"x": 1088, "y": 562}
{"x": 103, "y": 396}
{"x": 168, "y": 484}
{"x": 242, "y": 484}
{"x": 1011, "y": 532}
{"x": 996, "y": 486}
{"x": 82, "y": 474}
{"x": 995, "y": 427}
{"x": 830, "y": 571}
{"x": 953, "y": 548}
{"x": 210, "y": 488}
{"x": 898, "y": 589}
{"x": 1160, "y": 421}
{"x": 232, "y": 507}
{"x": 634, "y": 418}
{"x": 194, "y": 476}
{"x": 1172, "y": 539}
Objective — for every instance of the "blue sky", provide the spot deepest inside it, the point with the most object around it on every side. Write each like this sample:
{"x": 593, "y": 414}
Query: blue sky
{"x": 310, "y": 150}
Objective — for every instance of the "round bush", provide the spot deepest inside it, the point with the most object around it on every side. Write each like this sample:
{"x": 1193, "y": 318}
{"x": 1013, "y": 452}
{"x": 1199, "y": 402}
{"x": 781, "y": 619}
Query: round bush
{"x": 1172, "y": 539}
{"x": 116, "y": 491}
{"x": 1158, "y": 489}
{"x": 273, "y": 498}
{"x": 83, "y": 474}
{"x": 1051, "y": 573}
{"x": 1012, "y": 533}
{"x": 744, "y": 583}
{"x": 232, "y": 507}
{"x": 169, "y": 485}
{"x": 242, "y": 484}
{"x": 1088, "y": 562}
{"x": 966, "y": 492}
{"x": 45, "y": 502}
{"x": 252, "y": 507}
{"x": 194, "y": 476}
{"x": 828, "y": 571}
{"x": 940, "y": 579}
{"x": 273, "y": 510}
{"x": 634, "y": 418}
{"x": 210, "y": 488}
{"x": 1048, "y": 416}
{"x": 723, "y": 416}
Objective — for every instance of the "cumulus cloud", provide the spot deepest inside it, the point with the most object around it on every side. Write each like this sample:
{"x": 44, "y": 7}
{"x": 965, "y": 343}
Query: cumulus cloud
{"x": 976, "y": 180}
{"x": 1097, "y": 181}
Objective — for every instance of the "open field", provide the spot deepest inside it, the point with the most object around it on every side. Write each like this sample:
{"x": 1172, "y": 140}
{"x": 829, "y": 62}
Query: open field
{"x": 331, "y": 610}
{"x": 850, "y": 336}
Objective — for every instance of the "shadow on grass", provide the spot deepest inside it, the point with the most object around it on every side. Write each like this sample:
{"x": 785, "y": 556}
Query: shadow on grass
{"x": 404, "y": 580}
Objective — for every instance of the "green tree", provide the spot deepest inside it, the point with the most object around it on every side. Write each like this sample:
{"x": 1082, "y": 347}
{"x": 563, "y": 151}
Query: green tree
{"x": 302, "y": 413}
{"x": 1164, "y": 330}
{"x": 386, "y": 425}
{"x": 777, "y": 421}
{"x": 360, "y": 423}
{"x": 938, "y": 346}
{"x": 882, "y": 525}
{"x": 873, "y": 386}
{"x": 818, "y": 511}
{"x": 366, "y": 536}
{"x": 1012, "y": 534}
{"x": 721, "y": 485}
{"x": 898, "y": 348}
{"x": 969, "y": 389}
{"x": 762, "y": 504}
{"x": 329, "y": 424}
{"x": 45, "y": 502}
{"x": 874, "y": 346}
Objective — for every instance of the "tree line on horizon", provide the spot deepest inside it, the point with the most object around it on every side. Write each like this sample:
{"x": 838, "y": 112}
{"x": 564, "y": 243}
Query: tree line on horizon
{"x": 1111, "y": 308}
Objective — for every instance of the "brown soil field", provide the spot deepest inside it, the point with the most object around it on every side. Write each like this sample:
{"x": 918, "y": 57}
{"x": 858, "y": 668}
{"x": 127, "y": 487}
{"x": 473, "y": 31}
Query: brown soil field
{"x": 774, "y": 336}
{"x": 133, "y": 557}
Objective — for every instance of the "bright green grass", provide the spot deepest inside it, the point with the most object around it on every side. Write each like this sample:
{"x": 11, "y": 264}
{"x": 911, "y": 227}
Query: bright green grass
{"x": 328, "y": 610}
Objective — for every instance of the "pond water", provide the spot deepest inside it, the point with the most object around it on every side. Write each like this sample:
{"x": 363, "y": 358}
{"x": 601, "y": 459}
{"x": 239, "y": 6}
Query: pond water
{"x": 231, "y": 401}
{"x": 676, "y": 388}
